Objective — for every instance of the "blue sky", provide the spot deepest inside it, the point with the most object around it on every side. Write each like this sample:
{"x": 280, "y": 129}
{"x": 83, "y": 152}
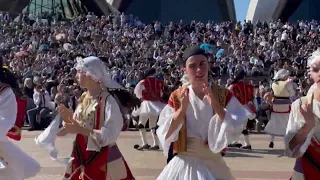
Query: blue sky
{"x": 241, "y": 8}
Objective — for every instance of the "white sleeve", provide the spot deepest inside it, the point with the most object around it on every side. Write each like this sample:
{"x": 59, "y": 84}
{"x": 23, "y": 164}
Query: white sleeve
{"x": 8, "y": 112}
{"x": 138, "y": 89}
{"x": 295, "y": 123}
{"x": 164, "y": 122}
{"x": 36, "y": 98}
{"x": 222, "y": 134}
{"x": 111, "y": 128}
{"x": 291, "y": 89}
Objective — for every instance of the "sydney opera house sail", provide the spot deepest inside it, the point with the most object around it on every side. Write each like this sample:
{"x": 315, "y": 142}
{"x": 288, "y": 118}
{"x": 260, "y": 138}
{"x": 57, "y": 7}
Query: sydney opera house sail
{"x": 174, "y": 10}
{"x": 65, "y": 8}
{"x": 292, "y": 10}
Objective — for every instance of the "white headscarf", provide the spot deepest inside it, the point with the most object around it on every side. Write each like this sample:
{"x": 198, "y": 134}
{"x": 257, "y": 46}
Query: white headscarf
{"x": 314, "y": 58}
{"x": 281, "y": 74}
{"x": 95, "y": 68}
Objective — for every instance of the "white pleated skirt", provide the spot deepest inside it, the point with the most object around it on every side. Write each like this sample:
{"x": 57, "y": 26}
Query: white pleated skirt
{"x": 198, "y": 163}
{"x": 277, "y": 124}
{"x": 16, "y": 164}
{"x": 149, "y": 108}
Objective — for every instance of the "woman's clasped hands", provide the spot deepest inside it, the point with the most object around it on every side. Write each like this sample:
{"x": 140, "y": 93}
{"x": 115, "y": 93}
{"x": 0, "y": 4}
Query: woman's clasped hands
{"x": 70, "y": 125}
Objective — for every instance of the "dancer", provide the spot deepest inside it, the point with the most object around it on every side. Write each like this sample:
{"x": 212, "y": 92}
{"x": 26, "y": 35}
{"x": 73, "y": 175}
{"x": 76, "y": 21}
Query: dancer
{"x": 150, "y": 91}
{"x": 14, "y": 163}
{"x": 302, "y": 138}
{"x": 283, "y": 93}
{"x": 244, "y": 92}
{"x": 200, "y": 122}
{"x": 97, "y": 122}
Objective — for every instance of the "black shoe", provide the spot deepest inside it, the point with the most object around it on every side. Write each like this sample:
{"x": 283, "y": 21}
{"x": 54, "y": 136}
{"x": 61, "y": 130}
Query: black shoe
{"x": 140, "y": 148}
{"x": 156, "y": 147}
{"x": 237, "y": 145}
{"x": 222, "y": 154}
{"x": 32, "y": 129}
{"x": 271, "y": 145}
{"x": 246, "y": 147}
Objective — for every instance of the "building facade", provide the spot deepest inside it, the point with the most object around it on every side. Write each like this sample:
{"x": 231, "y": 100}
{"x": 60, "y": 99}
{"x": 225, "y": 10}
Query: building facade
{"x": 285, "y": 10}
{"x": 64, "y": 8}
{"x": 262, "y": 10}
{"x": 169, "y": 10}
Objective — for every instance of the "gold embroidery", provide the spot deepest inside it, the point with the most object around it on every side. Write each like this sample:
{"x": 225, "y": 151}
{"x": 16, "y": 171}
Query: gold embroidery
{"x": 104, "y": 168}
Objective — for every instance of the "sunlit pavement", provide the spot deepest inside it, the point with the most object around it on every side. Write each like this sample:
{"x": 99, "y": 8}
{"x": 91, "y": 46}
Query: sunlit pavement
{"x": 261, "y": 163}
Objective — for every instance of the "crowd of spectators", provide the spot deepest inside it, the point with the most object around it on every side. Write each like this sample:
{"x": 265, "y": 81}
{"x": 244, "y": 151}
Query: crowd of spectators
{"x": 42, "y": 52}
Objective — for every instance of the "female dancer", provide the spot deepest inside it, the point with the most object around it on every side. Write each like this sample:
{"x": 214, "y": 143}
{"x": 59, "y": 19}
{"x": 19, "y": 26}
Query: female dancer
{"x": 200, "y": 122}
{"x": 283, "y": 93}
{"x": 97, "y": 122}
{"x": 302, "y": 139}
{"x": 14, "y": 163}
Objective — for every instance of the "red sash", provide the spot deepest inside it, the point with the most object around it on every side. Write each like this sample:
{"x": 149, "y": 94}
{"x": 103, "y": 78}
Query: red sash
{"x": 311, "y": 160}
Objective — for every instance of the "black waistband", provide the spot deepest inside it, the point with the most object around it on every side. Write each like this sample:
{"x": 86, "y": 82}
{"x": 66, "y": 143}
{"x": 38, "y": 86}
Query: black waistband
{"x": 277, "y": 97}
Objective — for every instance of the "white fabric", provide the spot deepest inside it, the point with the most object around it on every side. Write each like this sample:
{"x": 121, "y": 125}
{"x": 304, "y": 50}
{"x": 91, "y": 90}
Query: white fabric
{"x": 108, "y": 134}
{"x": 15, "y": 164}
{"x": 296, "y": 122}
{"x": 46, "y": 140}
{"x": 312, "y": 88}
{"x": 45, "y": 98}
{"x": 138, "y": 89}
{"x": 196, "y": 170}
{"x": 143, "y": 119}
{"x": 203, "y": 124}
{"x": 314, "y": 58}
{"x": 185, "y": 80}
{"x": 8, "y": 112}
{"x": 146, "y": 108}
{"x": 282, "y": 73}
{"x": 277, "y": 124}
{"x": 96, "y": 69}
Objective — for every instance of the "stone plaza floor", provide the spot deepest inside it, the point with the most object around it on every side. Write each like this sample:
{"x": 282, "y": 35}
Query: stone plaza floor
{"x": 261, "y": 163}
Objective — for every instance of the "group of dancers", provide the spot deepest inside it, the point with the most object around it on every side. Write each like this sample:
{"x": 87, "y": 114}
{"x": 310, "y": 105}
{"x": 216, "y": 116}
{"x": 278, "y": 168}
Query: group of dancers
{"x": 198, "y": 122}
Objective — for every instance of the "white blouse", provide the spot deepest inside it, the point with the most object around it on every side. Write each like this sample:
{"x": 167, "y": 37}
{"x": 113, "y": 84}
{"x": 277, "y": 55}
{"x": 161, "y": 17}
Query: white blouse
{"x": 295, "y": 123}
{"x": 14, "y": 163}
{"x": 202, "y": 123}
{"x": 110, "y": 130}
{"x": 107, "y": 135}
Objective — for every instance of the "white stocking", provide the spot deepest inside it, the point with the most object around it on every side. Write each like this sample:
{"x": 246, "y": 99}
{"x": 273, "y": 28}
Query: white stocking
{"x": 143, "y": 136}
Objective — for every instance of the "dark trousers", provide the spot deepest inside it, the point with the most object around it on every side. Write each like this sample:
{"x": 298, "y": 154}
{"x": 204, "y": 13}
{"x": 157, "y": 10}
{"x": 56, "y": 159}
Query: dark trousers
{"x": 33, "y": 113}
{"x": 170, "y": 153}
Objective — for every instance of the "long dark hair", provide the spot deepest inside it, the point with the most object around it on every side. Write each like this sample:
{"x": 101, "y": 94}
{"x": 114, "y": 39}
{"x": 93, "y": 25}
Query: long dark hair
{"x": 9, "y": 78}
{"x": 126, "y": 99}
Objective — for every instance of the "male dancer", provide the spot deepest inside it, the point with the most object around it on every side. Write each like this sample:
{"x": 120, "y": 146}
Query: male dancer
{"x": 244, "y": 92}
{"x": 150, "y": 91}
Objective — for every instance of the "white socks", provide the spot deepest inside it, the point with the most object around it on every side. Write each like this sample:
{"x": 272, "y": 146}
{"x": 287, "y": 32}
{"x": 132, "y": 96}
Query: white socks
{"x": 246, "y": 140}
{"x": 155, "y": 138}
{"x": 143, "y": 136}
{"x": 272, "y": 139}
